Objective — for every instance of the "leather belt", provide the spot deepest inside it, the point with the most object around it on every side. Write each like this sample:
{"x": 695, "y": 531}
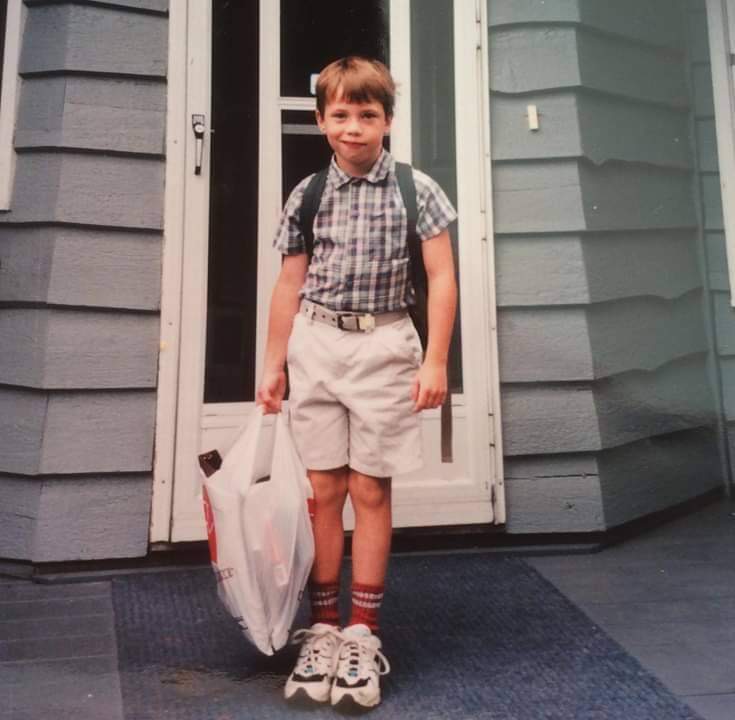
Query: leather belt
{"x": 350, "y": 321}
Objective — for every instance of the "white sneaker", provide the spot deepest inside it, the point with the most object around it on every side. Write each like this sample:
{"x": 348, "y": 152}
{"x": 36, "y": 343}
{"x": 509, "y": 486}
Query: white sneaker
{"x": 356, "y": 684}
{"x": 311, "y": 679}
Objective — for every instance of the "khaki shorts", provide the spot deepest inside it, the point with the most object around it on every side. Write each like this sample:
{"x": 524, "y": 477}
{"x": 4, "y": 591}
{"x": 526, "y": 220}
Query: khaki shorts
{"x": 350, "y": 397}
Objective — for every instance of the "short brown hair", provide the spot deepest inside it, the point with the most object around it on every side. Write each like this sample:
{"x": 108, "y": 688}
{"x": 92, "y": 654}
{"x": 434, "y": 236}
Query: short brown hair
{"x": 356, "y": 79}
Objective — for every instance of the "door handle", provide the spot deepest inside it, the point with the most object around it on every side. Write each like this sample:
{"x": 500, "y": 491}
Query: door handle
{"x": 199, "y": 127}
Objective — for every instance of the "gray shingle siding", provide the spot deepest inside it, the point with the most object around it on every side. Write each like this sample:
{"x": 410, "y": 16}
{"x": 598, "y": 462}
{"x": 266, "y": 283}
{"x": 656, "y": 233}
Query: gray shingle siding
{"x": 603, "y": 351}
{"x": 80, "y": 264}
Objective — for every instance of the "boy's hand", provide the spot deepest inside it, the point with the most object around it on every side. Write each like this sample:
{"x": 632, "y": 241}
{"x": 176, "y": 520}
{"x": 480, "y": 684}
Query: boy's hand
{"x": 429, "y": 387}
{"x": 271, "y": 391}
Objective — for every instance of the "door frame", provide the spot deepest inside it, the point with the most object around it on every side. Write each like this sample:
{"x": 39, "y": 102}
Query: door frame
{"x": 721, "y": 30}
{"x": 184, "y": 294}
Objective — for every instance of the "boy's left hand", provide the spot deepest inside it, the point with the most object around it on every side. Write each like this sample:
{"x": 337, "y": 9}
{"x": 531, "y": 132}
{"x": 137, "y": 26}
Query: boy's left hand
{"x": 429, "y": 387}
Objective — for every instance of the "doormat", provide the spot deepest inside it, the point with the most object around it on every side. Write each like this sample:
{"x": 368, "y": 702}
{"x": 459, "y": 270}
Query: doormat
{"x": 469, "y": 637}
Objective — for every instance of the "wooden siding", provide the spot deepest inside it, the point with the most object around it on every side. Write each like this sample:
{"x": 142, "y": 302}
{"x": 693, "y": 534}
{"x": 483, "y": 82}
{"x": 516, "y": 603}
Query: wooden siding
{"x": 53, "y": 349}
{"x": 80, "y": 264}
{"x": 100, "y": 268}
{"x": 88, "y": 112}
{"x": 92, "y": 501}
{"x": 649, "y": 22}
{"x": 657, "y": 472}
{"x": 58, "y": 39}
{"x": 35, "y": 516}
{"x": 19, "y": 500}
{"x": 574, "y": 269}
{"x": 556, "y": 343}
{"x": 600, "y": 291}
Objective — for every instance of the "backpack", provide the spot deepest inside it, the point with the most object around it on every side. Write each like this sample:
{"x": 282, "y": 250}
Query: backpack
{"x": 419, "y": 311}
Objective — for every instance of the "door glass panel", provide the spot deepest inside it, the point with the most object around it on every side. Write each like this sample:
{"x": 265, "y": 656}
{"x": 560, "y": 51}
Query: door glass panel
{"x": 314, "y": 34}
{"x": 304, "y": 148}
{"x": 433, "y": 134}
{"x": 233, "y": 208}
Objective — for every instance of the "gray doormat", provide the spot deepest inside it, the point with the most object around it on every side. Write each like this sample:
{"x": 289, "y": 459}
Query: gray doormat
{"x": 469, "y": 637}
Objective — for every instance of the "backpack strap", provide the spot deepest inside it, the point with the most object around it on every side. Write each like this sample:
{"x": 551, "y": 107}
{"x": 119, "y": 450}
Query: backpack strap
{"x": 404, "y": 175}
{"x": 309, "y": 206}
{"x": 418, "y": 311}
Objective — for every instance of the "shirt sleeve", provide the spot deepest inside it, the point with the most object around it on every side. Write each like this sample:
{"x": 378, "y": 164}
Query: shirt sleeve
{"x": 435, "y": 211}
{"x": 289, "y": 239}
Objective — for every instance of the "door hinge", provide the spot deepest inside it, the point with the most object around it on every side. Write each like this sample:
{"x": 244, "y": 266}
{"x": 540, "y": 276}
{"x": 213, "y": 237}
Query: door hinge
{"x": 478, "y": 23}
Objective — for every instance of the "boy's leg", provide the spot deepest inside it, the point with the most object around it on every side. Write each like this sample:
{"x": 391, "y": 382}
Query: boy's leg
{"x": 311, "y": 679}
{"x": 330, "y": 493}
{"x": 361, "y": 661}
{"x": 371, "y": 540}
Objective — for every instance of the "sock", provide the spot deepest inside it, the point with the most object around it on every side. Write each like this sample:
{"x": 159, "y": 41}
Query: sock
{"x": 324, "y": 599}
{"x": 366, "y": 601}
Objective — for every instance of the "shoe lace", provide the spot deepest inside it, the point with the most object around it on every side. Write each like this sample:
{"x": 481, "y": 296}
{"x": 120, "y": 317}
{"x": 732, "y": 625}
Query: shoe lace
{"x": 365, "y": 653}
{"x": 314, "y": 643}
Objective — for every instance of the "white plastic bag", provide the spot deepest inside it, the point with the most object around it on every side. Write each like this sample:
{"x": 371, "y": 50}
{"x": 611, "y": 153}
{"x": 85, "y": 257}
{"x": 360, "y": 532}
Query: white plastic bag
{"x": 261, "y": 543}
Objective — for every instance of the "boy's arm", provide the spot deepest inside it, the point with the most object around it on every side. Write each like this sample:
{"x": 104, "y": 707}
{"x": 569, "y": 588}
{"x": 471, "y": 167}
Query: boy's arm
{"x": 283, "y": 308}
{"x": 430, "y": 386}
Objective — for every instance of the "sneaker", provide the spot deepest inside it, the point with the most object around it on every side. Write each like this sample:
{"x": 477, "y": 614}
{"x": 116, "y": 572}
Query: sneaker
{"x": 311, "y": 679}
{"x": 361, "y": 663}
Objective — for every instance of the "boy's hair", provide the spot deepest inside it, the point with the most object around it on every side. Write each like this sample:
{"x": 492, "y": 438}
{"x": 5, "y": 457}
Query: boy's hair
{"x": 356, "y": 79}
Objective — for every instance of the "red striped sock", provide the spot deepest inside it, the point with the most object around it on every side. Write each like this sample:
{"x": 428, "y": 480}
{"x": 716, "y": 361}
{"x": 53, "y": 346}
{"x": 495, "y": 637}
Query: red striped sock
{"x": 366, "y": 601}
{"x": 324, "y": 603}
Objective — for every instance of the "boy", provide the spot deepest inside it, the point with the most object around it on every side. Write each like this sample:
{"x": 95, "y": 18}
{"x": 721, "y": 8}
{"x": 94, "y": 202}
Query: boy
{"x": 358, "y": 379}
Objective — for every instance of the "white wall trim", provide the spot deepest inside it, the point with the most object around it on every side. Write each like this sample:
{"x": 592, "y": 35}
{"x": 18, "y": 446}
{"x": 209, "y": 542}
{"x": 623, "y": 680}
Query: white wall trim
{"x": 475, "y": 282}
{"x": 173, "y": 238}
{"x": 493, "y": 379}
{"x": 15, "y": 22}
{"x": 721, "y": 28}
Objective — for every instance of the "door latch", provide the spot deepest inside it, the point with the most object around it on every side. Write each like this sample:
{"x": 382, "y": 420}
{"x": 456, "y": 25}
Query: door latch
{"x": 199, "y": 127}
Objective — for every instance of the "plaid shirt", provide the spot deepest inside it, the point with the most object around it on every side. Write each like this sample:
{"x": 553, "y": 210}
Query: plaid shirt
{"x": 360, "y": 261}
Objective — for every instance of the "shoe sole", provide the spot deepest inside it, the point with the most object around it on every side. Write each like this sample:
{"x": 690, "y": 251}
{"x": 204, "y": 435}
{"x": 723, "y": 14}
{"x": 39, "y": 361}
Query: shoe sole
{"x": 347, "y": 705}
{"x": 302, "y": 699}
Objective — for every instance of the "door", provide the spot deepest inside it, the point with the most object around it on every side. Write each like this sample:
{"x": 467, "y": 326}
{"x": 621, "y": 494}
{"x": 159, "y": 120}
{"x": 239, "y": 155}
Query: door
{"x": 250, "y": 72}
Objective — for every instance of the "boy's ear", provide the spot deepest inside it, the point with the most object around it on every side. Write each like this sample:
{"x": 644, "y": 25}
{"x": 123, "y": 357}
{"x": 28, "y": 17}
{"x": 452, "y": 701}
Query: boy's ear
{"x": 319, "y": 120}
{"x": 388, "y": 121}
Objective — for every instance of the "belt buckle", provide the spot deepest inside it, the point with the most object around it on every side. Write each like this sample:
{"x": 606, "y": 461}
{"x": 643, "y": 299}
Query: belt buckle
{"x": 366, "y": 323}
{"x": 356, "y": 323}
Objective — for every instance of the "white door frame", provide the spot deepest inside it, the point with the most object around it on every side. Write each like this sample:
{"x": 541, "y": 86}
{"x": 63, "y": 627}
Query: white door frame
{"x": 721, "y": 29}
{"x": 184, "y": 294}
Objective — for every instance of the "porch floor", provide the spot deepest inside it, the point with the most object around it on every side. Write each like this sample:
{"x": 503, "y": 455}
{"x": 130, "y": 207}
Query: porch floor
{"x": 667, "y": 597}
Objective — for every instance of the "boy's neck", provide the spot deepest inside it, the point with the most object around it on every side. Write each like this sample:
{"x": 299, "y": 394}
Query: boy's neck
{"x": 355, "y": 171}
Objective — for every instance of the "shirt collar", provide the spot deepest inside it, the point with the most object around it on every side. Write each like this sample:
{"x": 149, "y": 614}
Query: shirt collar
{"x": 378, "y": 172}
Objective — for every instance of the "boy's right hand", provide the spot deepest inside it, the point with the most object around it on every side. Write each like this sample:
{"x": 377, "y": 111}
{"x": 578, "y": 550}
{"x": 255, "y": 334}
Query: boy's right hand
{"x": 271, "y": 391}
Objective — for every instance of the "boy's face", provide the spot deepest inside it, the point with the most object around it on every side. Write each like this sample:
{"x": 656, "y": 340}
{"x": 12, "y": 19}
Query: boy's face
{"x": 355, "y": 132}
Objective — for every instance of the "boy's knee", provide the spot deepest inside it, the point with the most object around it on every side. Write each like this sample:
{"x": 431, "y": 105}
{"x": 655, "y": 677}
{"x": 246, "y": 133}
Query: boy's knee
{"x": 330, "y": 486}
{"x": 369, "y": 492}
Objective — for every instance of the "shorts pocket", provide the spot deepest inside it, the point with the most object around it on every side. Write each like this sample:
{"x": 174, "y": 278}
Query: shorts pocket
{"x": 402, "y": 341}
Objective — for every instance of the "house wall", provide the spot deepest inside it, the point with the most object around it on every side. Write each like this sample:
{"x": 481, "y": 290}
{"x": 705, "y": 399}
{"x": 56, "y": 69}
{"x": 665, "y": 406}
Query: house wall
{"x": 80, "y": 265}
{"x": 607, "y": 404}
